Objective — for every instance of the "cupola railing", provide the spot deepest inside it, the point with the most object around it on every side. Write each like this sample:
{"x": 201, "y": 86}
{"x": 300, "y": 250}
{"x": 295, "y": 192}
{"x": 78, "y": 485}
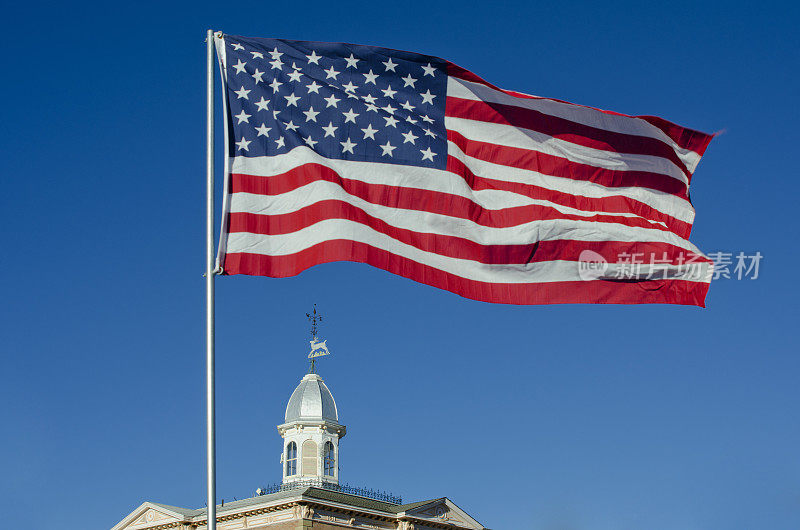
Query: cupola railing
{"x": 341, "y": 488}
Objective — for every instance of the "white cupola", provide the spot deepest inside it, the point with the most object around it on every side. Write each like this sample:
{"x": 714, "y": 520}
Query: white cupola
{"x": 311, "y": 434}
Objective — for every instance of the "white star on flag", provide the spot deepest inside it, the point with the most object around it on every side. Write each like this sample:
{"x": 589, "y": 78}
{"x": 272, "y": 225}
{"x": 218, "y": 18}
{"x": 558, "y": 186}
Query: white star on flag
{"x": 387, "y": 149}
{"x": 243, "y": 117}
{"x": 242, "y": 93}
{"x": 332, "y": 101}
{"x": 369, "y": 132}
{"x": 330, "y": 130}
{"x": 409, "y": 137}
{"x": 408, "y": 81}
{"x": 244, "y": 144}
{"x": 311, "y": 115}
{"x": 429, "y": 70}
{"x": 388, "y": 92}
{"x": 262, "y": 103}
{"x": 427, "y": 154}
{"x": 351, "y": 61}
{"x": 239, "y": 67}
{"x": 427, "y": 97}
{"x": 350, "y": 116}
{"x": 331, "y": 73}
{"x": 314, "y": 58}
{"x": 347, "y": 146}
{"x": 370, "y": 77}
{"x": 390, "y": 65}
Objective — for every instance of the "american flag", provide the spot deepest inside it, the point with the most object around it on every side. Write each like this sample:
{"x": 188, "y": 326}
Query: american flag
{"x": 407, "y": 162}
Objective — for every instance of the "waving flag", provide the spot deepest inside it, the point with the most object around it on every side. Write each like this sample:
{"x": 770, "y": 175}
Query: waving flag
{"x": 407, "y": 162}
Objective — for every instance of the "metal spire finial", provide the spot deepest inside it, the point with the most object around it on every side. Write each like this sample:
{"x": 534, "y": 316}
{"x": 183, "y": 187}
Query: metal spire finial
{"x": 318, "y": 348}
{"x": 314, "y": 317}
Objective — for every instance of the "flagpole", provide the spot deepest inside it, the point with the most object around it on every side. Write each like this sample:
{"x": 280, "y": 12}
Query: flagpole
{"x": 210, "y": 434}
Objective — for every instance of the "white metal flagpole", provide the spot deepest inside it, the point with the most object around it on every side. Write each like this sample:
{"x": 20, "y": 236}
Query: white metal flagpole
{"x": 210, "y": 434}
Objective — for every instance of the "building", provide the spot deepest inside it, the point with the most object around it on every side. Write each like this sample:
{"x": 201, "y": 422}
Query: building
{"x": 309, "y": 495}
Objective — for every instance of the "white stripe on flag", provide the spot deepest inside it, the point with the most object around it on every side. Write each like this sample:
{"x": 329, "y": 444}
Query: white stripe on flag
{"x": 576, "y": 113}
{"x": 511, "y": 136}
{"x": 442, "y": 181}
{"x": 665, "y": 203}
{"x": 426, "y": 222}
{"x": 534, "y": 272}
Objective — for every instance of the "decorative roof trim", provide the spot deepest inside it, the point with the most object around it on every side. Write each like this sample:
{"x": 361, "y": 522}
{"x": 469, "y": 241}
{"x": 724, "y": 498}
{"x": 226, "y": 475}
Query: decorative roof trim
{"x": 299, "y": 499}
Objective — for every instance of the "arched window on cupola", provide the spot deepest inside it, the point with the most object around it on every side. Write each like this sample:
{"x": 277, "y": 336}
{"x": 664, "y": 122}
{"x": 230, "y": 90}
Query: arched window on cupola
{"x": 310, "y": 459}
{"x": 330, "y": 459}
{"x": 291, "y": 459}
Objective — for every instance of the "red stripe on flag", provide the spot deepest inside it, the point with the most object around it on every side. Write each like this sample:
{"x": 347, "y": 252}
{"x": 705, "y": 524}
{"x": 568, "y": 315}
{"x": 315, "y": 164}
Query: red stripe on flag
{"x": 419, "y": 199}
{"x": 687, "y": 138}
{"x": 612, "y": 204}
{"x": 561, "y": 167}
{"x": 684, "y": 137}
{"x": 596, "y": 291}
{"x": 458, "y": 247}
{"x": 562, "y": 129}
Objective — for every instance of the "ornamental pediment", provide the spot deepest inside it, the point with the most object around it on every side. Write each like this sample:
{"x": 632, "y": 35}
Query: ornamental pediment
{"x": 148, "y": 515}
{"x": 443, "y": 512}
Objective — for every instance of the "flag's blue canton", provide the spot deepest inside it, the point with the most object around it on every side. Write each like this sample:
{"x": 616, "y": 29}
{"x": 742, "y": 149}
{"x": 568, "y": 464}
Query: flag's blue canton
{"x": 343, "y": 101}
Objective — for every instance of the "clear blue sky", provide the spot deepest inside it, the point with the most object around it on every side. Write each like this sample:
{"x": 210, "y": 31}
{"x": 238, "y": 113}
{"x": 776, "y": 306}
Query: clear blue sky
{"x": 551, "y": 418}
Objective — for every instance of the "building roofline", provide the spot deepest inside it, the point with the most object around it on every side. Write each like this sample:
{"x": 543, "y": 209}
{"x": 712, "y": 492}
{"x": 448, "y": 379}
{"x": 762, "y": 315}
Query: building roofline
{"x": 282, "y": 499}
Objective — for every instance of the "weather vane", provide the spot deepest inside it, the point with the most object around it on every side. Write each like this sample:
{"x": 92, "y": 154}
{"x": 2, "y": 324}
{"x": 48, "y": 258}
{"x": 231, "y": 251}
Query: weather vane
{"x": 318, "y": 348}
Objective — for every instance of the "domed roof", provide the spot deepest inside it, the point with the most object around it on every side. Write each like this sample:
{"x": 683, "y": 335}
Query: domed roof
{"x": 311, "y": 400}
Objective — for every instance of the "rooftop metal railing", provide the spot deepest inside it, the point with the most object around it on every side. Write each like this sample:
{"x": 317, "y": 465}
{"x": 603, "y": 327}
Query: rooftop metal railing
{"x": 342, "y": 488}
